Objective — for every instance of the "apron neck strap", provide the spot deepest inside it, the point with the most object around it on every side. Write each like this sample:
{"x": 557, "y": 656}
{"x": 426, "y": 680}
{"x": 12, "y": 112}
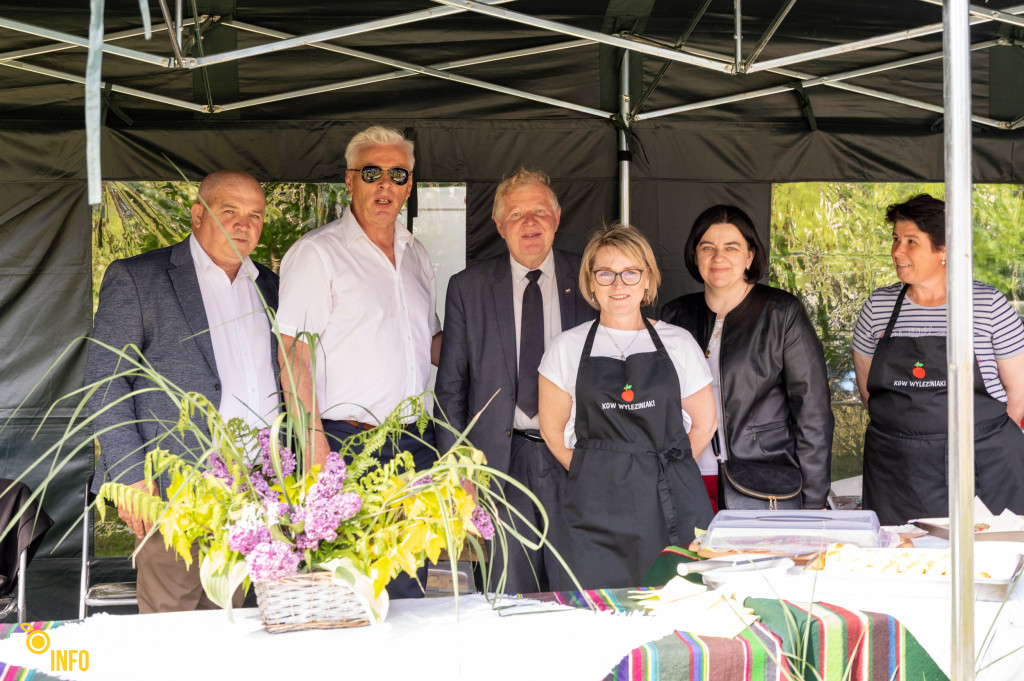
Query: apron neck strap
{"x": 655, "y": 337}
{"x": 589, "y": 344}
{"x": 895, "y": 311}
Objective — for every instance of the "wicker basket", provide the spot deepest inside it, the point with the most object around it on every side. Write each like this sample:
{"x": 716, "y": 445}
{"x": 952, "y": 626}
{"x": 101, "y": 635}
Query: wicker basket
{"x": 309, "y": 601}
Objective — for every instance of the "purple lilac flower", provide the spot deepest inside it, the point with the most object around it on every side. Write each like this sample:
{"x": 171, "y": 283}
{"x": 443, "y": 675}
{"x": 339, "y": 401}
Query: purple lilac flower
{"x": 333, "y": 473}
{"x": 244, "y": 539}
{"x": 287, "y": 461}
{"x": 219, "y": 469}
{"x": 349, "y": 504}
{"x": 303, "y": 542}
{"x": 287, "y": 456}
{"x": 425, "y": 480}
{"x": 482, "y": 522}
{"x": 271, "y": 561}
{"x": 262, "y": 487}
{"x": 324, "y": 513}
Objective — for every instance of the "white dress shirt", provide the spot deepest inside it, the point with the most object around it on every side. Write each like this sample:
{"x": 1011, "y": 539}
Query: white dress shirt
{"x": 374, "y": 321}
{"x": 240, "y": 333}
{"x": 552, "y": 316}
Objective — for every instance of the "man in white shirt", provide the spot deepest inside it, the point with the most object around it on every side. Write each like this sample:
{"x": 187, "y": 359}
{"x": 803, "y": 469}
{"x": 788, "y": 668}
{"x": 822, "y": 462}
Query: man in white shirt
{"x": 360, "y": 292}
{"x": 196, "y": 312}
{"x": 487, "y": 313}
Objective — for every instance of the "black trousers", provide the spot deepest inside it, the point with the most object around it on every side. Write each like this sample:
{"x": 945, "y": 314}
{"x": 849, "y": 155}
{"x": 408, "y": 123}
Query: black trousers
{"x": 528, "y": 571}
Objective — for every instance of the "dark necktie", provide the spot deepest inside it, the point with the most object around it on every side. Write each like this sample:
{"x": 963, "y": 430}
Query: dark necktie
{"x": 531, "y": 344}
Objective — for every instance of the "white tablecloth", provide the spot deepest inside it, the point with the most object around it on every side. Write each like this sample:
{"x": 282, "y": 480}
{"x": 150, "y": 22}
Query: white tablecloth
{"x": 426, "y": 639}
{"x": 421, "y": 640}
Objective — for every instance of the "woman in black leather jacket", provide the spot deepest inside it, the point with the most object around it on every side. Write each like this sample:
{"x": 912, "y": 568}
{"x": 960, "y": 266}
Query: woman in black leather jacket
{"x": 768, "y": 365}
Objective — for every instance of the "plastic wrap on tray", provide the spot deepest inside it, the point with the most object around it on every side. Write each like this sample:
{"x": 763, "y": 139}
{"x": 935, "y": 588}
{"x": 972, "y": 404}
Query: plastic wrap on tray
{"x": 792, "y": 531}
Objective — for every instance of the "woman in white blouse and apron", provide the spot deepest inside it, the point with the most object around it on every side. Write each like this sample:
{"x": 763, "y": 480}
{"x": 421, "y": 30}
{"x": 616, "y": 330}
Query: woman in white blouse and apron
{"x": 614, "y": 395}
{"x": 899, "y": 356}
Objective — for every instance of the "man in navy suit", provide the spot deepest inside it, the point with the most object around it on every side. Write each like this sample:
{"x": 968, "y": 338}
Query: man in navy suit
{"x": 493, "y": 338}
{"x": 196, "y": 312}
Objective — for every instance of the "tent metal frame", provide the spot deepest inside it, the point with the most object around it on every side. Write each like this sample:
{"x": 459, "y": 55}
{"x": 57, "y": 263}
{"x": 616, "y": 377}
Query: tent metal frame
{"x": 958, "y": 16}
{"x": 836, "y": 80}
{"x": 735, "y": 64}
{"x": 435, "y": 70}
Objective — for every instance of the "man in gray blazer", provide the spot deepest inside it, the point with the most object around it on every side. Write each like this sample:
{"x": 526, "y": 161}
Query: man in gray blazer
{"x": 496, "y": 326}
{"x": 195, "y": 311}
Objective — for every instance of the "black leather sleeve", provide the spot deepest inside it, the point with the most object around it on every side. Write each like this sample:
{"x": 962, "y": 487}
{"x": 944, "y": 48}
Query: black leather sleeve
{"x": 810, "y": 404}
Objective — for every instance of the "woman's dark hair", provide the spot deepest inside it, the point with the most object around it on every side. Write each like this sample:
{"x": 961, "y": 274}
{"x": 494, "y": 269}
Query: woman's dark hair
{"x": 733, "y": 216}
{"x": 925, "y": 211}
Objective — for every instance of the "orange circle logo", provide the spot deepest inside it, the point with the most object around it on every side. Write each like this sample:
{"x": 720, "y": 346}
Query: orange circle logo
{"x": 37, "y": 642}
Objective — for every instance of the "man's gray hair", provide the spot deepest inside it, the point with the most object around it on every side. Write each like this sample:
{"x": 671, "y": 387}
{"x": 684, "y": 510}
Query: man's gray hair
{"x": 521, "y": 178}
{"x": 376, "y": 136}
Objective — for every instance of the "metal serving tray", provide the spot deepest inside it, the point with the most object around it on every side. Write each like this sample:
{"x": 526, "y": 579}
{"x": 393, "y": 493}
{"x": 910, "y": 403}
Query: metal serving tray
{"x": 939, "y": 527}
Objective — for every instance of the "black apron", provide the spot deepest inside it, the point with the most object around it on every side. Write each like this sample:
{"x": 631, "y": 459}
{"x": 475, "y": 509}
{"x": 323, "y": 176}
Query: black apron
{"x": 906, "y": 443}
{"x": 634, "y": 487}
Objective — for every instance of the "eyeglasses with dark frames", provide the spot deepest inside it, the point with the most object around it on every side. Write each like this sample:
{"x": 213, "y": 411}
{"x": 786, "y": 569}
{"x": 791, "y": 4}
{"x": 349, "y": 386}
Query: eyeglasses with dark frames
{"x": 372, "y": 174}
{"x": 629, "y": 277}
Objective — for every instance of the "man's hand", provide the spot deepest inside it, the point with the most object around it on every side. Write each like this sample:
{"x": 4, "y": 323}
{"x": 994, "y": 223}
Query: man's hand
{"x": 136, "y": 524}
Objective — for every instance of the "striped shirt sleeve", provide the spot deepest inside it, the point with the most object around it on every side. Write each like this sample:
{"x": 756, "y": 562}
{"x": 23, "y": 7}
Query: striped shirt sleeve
{"x": 1007, "y": 330}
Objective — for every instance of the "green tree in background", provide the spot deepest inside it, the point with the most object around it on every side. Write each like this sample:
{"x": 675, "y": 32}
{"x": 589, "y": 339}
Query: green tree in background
{"x": 830, "y": 247}
{"x": 136, "y": 217}
{"x": 998, "y": 243}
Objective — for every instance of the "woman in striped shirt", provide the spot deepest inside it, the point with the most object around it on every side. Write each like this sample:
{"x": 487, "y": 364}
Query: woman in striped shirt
{"x": 899, "y": 355}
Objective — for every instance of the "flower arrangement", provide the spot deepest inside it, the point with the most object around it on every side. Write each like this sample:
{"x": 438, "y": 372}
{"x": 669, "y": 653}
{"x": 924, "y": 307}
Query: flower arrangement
{"x": 258, "y": 513}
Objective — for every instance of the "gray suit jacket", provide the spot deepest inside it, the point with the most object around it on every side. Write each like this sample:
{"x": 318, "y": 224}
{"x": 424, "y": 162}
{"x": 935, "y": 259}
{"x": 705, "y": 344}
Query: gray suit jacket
{"x": 152, "y": 301}
{"x": 478, "y": 351}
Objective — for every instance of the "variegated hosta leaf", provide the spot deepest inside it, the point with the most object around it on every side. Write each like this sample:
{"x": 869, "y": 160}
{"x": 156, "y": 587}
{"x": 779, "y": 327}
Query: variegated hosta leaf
{"x": 221, "y": 575}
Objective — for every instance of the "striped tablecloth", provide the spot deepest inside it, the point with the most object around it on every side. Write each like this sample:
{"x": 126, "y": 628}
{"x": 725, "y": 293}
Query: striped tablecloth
{"x": 794, "y": 641}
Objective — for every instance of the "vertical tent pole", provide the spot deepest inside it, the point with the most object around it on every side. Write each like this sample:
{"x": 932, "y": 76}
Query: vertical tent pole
{"x": 956, "y": 94}
{"x": 178, "y": 29}
{"x": 625, "y": 157}
{"x": 738, "y": 27}
{"x": 93, "y": 103}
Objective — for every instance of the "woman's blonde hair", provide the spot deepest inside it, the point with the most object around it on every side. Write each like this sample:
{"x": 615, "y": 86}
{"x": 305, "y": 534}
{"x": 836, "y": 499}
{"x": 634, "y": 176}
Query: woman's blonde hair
{"x": 633, "y": 245}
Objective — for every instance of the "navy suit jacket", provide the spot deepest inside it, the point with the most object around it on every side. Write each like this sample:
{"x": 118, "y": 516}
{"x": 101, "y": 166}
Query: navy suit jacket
{"x": 478, "y": 351}
{"x": 152, "y": 301}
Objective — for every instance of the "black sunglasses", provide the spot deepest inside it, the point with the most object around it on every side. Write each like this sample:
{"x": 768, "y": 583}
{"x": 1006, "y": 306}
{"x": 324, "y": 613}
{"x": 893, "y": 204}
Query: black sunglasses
{"x": 371, "y": 174}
